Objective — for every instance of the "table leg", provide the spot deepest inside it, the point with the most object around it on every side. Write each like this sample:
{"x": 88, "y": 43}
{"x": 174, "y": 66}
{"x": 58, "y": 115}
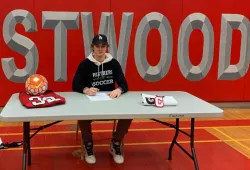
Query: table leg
{"x": 29, "y": 153}
{"x": 174, "y": 139}
{"x": 192, "y": 145}
{"x": 26, "y": 144}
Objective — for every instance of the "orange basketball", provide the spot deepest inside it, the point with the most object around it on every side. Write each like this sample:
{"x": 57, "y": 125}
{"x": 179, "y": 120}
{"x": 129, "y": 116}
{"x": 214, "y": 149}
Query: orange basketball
{"x": 36, "y": 85}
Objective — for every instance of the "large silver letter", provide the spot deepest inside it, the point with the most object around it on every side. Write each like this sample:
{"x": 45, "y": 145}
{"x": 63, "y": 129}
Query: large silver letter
{"x": 150, "y": 21}
{"x": 107, "y": 27}
{"x": 60, "y": 21}
{"x": 201, "y": 22}
{"x": 227, "y": 71}
{"x": 20, "y": 44}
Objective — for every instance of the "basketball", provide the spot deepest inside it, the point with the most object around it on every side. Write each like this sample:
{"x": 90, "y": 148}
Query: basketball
{"x": 36, "y": 85}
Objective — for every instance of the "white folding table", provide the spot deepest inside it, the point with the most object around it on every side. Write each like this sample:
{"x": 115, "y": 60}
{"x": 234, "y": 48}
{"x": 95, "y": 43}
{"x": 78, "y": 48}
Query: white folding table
{"x": 128, "y": 106}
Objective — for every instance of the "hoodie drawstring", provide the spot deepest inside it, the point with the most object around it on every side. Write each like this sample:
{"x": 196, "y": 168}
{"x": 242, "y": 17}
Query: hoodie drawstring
{"x": 102, "y": 70}
{"x": 99, "y": 71}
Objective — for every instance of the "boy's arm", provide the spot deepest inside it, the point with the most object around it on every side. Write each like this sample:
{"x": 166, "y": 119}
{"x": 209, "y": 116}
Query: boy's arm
{"x": 79, "y": 80}
{"x": 120, "y": 78}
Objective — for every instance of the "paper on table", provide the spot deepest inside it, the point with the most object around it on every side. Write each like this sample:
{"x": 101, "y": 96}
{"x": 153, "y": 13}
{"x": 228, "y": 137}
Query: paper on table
{"x": 100, "y": 96}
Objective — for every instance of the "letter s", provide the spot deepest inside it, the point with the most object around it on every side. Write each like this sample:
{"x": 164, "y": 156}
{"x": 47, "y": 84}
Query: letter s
{"x": 20, "y": 44}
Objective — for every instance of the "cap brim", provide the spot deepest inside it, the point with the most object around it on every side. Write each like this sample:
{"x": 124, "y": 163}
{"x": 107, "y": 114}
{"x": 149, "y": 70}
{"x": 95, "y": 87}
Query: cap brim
{"x": 100, "y": 42}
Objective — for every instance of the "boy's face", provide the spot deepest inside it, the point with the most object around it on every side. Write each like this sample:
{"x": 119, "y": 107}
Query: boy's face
{"x": 99, "y": 49}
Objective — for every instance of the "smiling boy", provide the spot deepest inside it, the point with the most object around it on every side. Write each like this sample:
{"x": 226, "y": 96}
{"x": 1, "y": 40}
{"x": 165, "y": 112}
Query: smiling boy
{"x": 101, "y": 72}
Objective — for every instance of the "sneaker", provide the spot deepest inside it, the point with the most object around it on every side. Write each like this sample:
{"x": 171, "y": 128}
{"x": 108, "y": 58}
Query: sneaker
{"x": 116, "y": 152}
{"x": 89, "y": 154}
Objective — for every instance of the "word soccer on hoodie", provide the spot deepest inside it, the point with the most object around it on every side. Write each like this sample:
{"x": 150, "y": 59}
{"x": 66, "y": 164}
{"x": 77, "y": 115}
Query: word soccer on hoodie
{"x": 92, "y": 73}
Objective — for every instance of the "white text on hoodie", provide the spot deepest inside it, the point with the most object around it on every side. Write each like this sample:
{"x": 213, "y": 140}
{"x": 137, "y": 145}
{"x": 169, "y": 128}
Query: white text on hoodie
{"x": 103, "y": 82}
{"x": 102, "y": 73}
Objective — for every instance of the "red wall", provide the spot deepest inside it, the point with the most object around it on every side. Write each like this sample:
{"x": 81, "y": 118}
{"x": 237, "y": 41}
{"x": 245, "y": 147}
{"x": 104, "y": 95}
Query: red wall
{"x": 210, "y": 88}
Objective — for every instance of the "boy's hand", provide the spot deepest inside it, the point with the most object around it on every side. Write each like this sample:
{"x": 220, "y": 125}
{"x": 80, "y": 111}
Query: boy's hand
{"x": 115, "y": 93}
{"x": 91, "y": 91}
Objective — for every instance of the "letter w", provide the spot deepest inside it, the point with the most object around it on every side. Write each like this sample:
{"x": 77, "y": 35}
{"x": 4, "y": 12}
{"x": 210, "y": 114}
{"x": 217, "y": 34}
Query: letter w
{"x": 107, "y": 28}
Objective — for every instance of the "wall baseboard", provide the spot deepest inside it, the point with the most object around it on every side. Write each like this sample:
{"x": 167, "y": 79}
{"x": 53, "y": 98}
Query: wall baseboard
{"x": 232, "y": 105}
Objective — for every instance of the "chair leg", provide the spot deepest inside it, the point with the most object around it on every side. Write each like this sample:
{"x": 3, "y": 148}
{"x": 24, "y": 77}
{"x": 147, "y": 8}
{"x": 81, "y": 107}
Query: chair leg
{"x": 82, "y": 150}
{"x": 77, "y": 130}
{"x": 114, "y": 126}
{"x": 123, "y": 153}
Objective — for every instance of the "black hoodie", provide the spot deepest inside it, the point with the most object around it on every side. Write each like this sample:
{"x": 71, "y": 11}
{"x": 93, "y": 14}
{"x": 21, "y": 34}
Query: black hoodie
{"x": 91, "y": 73}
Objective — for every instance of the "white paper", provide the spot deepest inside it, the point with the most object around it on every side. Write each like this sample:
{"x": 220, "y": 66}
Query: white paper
{"x": 1, "y": 141}
{"x": 100, "y": 96}
{"x": 168, "y": 100}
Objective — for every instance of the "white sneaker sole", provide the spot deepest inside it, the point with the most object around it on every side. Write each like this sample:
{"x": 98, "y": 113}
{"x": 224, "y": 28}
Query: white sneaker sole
{"x": 90, "y": 160}
{"x": 117, "y": 162}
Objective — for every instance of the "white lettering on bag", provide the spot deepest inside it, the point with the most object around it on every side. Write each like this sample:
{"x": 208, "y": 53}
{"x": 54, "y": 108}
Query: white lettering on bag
{"x": 42, "y": 100}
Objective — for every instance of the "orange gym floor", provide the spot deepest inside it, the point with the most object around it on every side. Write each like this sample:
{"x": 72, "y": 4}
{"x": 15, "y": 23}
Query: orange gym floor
{"x": 221, "y": 144}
